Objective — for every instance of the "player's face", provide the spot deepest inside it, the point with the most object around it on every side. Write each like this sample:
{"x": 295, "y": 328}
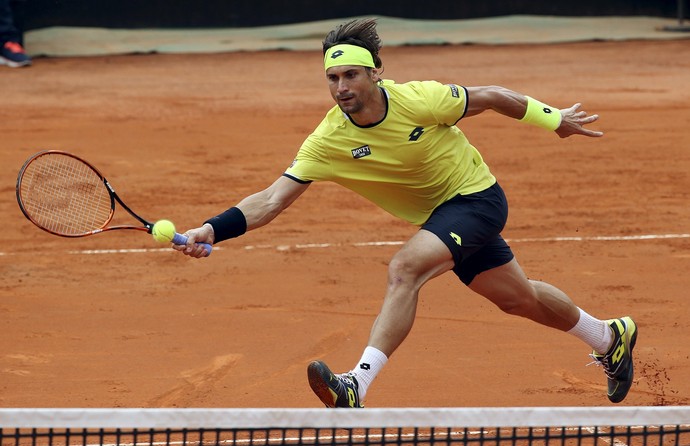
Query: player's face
{"x": 352, "y": 87}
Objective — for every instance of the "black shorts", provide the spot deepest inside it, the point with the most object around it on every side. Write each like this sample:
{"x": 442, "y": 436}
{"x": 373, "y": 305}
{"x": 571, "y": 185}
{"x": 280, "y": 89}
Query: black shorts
{"x": 470, "y": 226}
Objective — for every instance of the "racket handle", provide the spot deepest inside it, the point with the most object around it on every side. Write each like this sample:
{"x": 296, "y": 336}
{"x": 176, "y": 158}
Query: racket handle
{"x": 180, "y": 239}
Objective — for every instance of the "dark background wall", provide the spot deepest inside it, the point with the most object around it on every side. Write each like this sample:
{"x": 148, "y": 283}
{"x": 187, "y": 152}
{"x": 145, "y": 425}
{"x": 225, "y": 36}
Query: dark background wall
{"x": 246, "y": 13}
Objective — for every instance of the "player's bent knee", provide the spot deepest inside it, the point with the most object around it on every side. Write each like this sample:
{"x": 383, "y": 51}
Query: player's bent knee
{"x": 400, "y": 270}
{"x": 404, "y": 271}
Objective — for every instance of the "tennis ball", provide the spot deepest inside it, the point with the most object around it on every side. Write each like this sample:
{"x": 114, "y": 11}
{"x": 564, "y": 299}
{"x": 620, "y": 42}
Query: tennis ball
{"x": 163, "y": 231}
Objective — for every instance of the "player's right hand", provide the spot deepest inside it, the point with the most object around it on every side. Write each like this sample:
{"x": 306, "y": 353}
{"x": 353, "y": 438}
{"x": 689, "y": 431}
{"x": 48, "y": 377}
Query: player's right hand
{"x": 193, "y": 248}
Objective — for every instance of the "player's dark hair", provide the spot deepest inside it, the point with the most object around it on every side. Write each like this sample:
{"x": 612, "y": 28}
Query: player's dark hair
{"x": 359, "y": 32}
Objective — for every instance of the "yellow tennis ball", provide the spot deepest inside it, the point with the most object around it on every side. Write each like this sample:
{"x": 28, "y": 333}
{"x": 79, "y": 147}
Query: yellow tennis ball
{"x": 163, "y": 231}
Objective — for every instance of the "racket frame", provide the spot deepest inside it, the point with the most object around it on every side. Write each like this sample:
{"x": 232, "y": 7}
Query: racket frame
{"x": 147, "y": 226}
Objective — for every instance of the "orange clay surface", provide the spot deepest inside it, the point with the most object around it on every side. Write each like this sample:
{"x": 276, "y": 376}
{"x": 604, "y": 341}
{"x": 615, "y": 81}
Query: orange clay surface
{"x": 184, "y": 137}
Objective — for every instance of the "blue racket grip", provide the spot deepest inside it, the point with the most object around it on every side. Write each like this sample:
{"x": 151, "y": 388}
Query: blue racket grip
{"x": 180, "y": 239}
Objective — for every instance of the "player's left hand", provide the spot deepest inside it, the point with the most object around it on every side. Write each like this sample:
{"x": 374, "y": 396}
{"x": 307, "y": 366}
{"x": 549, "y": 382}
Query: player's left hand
{"x": 573, "y": 122}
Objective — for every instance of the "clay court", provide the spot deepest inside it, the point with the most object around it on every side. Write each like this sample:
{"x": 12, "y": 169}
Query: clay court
{"x": 116, "y": 320}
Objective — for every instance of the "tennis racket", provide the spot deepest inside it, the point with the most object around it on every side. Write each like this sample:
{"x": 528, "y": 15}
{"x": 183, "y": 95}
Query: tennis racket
{"x": 67, "y": 196}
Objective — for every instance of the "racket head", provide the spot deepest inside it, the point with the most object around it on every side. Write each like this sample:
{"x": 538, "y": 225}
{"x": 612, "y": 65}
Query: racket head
{"x": 64, "y": 194}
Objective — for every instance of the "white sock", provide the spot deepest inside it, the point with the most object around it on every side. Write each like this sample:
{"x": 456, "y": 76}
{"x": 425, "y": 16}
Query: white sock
{"x": 596, "y": 333}
{"x": 369, "y": 366}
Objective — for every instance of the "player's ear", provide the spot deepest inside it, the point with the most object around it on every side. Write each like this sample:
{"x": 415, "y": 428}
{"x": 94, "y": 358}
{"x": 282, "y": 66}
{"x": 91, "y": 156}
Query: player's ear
{"x": 375, "y": 74}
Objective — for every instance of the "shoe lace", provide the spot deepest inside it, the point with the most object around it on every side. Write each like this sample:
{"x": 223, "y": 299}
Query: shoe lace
{"x": 14, "y": 47}
{"x": 347, "y": 379}
{"x": 601, "y": 361}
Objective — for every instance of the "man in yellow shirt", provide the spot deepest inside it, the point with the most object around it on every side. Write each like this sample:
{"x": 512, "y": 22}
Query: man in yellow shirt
{"x": 398, "y": 145}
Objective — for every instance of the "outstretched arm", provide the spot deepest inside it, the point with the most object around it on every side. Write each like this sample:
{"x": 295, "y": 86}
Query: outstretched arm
{"x": 262, "y": 207}
{"x": 515, "y": 105}
{"x": 252, "y": 212}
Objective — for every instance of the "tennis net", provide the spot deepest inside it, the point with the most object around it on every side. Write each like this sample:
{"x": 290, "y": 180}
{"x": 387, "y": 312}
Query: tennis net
{"x": 537, "y": 426}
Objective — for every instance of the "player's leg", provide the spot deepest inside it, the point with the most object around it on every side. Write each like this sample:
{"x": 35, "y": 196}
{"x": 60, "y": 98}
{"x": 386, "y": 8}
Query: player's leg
{"x": 508, "y": 287}
{"x": 422, "y": 258}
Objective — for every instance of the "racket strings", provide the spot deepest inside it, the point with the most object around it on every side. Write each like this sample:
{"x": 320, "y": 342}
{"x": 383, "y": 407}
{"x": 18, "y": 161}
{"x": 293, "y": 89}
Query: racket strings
{"x": 64, "y": 195}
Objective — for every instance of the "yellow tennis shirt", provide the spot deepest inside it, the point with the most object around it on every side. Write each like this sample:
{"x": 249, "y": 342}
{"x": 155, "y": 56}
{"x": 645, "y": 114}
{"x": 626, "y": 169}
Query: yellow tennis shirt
{"x": 409, "y": 163}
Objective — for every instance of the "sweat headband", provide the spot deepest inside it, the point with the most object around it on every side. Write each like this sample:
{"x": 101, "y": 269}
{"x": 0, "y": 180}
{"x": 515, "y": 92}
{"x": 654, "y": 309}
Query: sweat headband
{"x": 345, "y": 54}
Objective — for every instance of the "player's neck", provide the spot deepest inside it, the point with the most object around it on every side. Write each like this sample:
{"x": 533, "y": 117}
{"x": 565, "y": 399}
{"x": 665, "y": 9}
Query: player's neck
{"x": 374, "y": 110}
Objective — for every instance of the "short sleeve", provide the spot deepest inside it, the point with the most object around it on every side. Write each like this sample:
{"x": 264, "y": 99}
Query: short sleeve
{"x": 311, "y": 163}
{"x": 448, "y": 101}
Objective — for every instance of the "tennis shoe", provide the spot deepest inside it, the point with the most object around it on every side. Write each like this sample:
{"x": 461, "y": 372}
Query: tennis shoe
{"x": 618, "y": 361}
{"x": 13, "y": 55}
{"x": 333, "y": 390}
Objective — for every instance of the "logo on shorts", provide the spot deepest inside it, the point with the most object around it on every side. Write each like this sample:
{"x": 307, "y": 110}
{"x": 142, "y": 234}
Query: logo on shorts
{"x": 361, "y": 152}
{"x": 457, "y": 238}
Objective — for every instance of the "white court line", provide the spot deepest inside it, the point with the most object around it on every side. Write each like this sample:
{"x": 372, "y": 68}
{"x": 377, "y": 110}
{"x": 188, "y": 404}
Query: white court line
{"x": 600, "y": 238}
{"x": 604, "y": 238}
{"x": 509, "y": 240}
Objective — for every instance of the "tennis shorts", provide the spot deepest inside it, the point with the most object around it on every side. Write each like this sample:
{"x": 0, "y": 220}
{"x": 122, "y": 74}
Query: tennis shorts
{"x": 470, "y": 226}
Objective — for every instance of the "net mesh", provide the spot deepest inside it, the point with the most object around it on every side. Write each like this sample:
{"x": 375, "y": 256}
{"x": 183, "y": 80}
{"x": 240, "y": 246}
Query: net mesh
{"x": 64, "y": 195}
{"x": 626, "y": 426}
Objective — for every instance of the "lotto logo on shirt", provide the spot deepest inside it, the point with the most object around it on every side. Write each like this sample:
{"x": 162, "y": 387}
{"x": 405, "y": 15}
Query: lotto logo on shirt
{"x": 361, "y": 152}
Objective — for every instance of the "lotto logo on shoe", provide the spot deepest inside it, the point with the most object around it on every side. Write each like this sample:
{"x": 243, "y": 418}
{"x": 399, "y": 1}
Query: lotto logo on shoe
{"x": 351, "y": 398}
{"x": 618, "y": 354}
{"x": 364, "y": 366}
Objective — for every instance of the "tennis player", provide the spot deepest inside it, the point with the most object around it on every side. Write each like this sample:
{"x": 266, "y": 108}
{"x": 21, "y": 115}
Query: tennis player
{"x": 399, "y": 146}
